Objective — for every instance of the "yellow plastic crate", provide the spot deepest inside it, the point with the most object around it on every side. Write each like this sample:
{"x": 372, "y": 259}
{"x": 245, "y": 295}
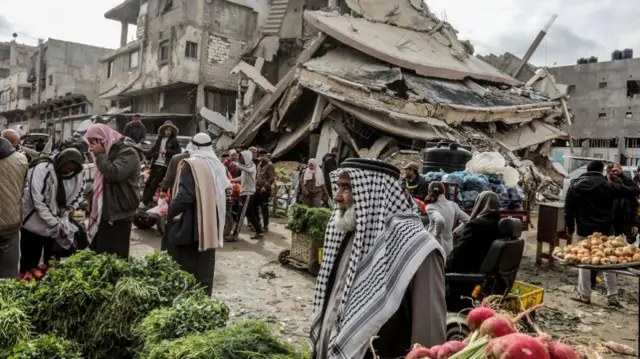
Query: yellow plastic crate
{"x": 523, "y": 296}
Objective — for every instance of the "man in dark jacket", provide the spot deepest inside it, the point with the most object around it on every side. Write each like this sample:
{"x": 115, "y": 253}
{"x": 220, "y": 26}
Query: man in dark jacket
{"x": 264, "y": 184}
{"x": 624, "y": 209}
{"x": 116, "y": 190}
{"x": 589, "y": 209}
{"x": 417, "y": 185}
{"x": 330, "y": 164}
{"x": 135, "y": 130}
{"x": 165, "y": 147}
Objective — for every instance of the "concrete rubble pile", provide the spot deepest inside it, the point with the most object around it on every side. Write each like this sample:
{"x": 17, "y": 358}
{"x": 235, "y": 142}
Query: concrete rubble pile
{"x": 393, "y": 77}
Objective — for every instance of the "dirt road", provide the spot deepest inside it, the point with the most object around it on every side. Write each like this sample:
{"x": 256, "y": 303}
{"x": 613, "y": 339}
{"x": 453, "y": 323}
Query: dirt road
{"x": 249, "y": 279}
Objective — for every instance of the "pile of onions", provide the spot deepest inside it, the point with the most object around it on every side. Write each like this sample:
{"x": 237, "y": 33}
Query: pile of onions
{"x": 599, "y": 250}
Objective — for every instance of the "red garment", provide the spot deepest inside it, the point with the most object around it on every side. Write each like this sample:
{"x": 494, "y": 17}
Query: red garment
{"x": 231, "y": 166}
{"x": 423, "y": 206}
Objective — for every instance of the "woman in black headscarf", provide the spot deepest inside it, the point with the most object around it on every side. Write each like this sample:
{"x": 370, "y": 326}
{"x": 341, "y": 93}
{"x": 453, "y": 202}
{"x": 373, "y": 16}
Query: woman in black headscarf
{"x": 478, "y": 235}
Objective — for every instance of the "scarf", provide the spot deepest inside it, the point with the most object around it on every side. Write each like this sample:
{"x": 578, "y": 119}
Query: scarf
{"x": 64, "y": 157}
{"x": 201, "y": 147}
{"x": 389, "y": 245}
{"x": 109, "y": 137}
{"x": 208, "y": 228}
{"x": 486, "y": 204}
{"x": 316, "y": 173}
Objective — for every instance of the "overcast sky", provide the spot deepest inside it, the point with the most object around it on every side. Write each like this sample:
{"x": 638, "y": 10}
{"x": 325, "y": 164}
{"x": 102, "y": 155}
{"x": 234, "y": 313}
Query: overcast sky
{"x": 584, "y": 27}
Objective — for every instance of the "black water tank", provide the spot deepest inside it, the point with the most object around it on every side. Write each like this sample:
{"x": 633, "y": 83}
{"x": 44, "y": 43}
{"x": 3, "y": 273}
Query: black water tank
{"x": 616, "y": 55}
{"x": 446, "y": 156}
{"x": 593, "y": 60}
{"x": 627, "y": 54}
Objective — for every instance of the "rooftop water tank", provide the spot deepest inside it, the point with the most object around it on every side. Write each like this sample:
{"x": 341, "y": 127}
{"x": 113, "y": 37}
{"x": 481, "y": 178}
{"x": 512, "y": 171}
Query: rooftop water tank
{"x": 593, "y": 60}
{"x": 446, "y": 156}
{"x": 627, "y": 54}
{"x": 616, "y": 55}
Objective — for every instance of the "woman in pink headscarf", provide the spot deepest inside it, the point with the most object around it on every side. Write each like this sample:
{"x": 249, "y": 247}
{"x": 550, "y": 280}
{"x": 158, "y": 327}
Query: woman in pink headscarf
{"x": 116, "y": 189}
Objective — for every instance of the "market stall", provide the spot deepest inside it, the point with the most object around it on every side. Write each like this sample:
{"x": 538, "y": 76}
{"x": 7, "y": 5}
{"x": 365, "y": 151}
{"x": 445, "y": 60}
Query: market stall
{"x": 604, "y": 254}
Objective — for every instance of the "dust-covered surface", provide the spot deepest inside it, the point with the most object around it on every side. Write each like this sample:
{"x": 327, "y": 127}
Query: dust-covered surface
{"x": 249, "y": 279}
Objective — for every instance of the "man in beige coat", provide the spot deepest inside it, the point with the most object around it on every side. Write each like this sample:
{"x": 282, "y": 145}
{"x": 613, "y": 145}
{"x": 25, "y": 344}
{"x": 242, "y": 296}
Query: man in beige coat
{"x": 13, "y": 166}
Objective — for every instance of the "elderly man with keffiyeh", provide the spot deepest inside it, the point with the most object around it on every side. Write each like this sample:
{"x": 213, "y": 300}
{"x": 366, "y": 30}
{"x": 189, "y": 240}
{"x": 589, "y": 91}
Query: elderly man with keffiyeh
{"x": 382, "y": 273}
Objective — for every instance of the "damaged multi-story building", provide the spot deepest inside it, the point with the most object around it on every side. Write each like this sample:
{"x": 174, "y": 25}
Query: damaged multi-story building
{"x": 15, "y": 91}
{"x": 179, "y": 61}
{"x": 56, "y": 89}
{"x": 605, "y": 98}
{"x": 392, "y": 76}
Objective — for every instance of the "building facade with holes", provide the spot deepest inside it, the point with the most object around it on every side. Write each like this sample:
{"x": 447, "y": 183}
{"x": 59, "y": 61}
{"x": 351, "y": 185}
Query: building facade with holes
{"x": 57, "y": 89}
{"x": 178, "y": 60}
{"x": 605, "y": 101}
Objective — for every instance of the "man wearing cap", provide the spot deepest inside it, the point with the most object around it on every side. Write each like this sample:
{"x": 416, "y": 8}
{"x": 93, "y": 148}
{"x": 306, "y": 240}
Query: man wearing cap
{"x": 416, "y": 184}
{"x": 382, "y": 273}
{"x": 165, "y": 147}
{"x": 135, "y": 130}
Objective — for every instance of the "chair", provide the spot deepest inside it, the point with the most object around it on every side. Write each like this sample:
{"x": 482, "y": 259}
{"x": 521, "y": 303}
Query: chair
{"x": 498, "y": 270}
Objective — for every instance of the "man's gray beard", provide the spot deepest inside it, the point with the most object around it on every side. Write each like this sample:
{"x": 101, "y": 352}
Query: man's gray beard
{"x": 345, "y": 220}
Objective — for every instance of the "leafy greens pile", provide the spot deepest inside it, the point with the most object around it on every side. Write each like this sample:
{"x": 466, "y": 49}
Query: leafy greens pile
{"x": 309, "y": 221}
{"x": 98, "y": 306}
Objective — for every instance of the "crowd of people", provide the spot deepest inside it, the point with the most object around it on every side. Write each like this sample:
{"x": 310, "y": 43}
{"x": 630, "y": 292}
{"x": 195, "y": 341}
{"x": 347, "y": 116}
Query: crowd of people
{"x": 390, "y": 241}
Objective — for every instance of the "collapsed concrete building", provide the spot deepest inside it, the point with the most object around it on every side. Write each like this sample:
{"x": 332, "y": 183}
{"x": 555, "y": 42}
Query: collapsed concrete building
{"x": 394, "y": 77}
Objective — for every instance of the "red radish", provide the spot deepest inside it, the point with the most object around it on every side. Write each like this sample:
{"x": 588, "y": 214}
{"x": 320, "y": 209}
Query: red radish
{"x": 37, "y": 274}
{"x": 20, "y": 276}
{"x": 516, "y": 346}
{"x": 449, "y": 349}
{"x": 435, "y": 349}
{"x": 561, "y": 351}
{"x": 27, "y": 276}
{"x": 43, "y": 267}
{"x": 419, "y": 352}
{"x": 477, "y": 316}
{"x": 496, "y": 327}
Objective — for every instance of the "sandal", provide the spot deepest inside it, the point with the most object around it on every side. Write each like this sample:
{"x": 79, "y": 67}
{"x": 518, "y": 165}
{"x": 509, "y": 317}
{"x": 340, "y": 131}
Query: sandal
{"x": 581, "y": 299}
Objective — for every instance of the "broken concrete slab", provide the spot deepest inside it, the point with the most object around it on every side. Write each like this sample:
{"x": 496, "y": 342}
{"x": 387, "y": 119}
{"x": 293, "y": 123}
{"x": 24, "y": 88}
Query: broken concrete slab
{"x": 422, "y": 131}
{"x": 254, "y": 75}
{"x": 218, "y": 120}
{"x": 251, "y": 89}
{"x": 408, "y": 49}
{"x": 258, "y": 116}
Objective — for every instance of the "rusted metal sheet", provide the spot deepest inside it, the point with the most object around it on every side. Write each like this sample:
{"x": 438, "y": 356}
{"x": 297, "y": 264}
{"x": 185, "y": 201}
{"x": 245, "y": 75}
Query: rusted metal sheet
{"x": 420, "y": 131}
{"x": 250, "y": 127}
{"x": 405, "y": 48}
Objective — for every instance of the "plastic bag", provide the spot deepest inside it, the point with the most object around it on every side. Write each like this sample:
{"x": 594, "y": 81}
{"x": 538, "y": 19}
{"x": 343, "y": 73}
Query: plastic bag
{"x": 455, "y": 177}
{"x": 433, "y": 176}
{"x": 160, "y": 210}
{"x": 493, "y": 162}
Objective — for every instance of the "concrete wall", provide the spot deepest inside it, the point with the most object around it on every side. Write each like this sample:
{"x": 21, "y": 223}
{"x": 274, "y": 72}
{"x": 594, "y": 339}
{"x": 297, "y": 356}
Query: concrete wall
{"x": 15, "y": 92}
{"x": 14, "y": 57}
{"x": 602, "y": 112}
{"x": 226, "y": 43}
{"x": 72, "y": 68}
{"x": 509, "y": 63}
{"x": 122, "y": 74}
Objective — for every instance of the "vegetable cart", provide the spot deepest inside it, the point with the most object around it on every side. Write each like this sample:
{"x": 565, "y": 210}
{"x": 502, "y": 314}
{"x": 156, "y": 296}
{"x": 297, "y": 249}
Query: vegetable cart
{"x": 307, "y": 227}
{"x": 305, "y": 253}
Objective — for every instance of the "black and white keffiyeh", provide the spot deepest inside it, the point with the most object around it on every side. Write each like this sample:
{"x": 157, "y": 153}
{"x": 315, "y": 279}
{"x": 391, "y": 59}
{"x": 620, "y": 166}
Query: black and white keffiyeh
{"x": 389, "y": 245}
